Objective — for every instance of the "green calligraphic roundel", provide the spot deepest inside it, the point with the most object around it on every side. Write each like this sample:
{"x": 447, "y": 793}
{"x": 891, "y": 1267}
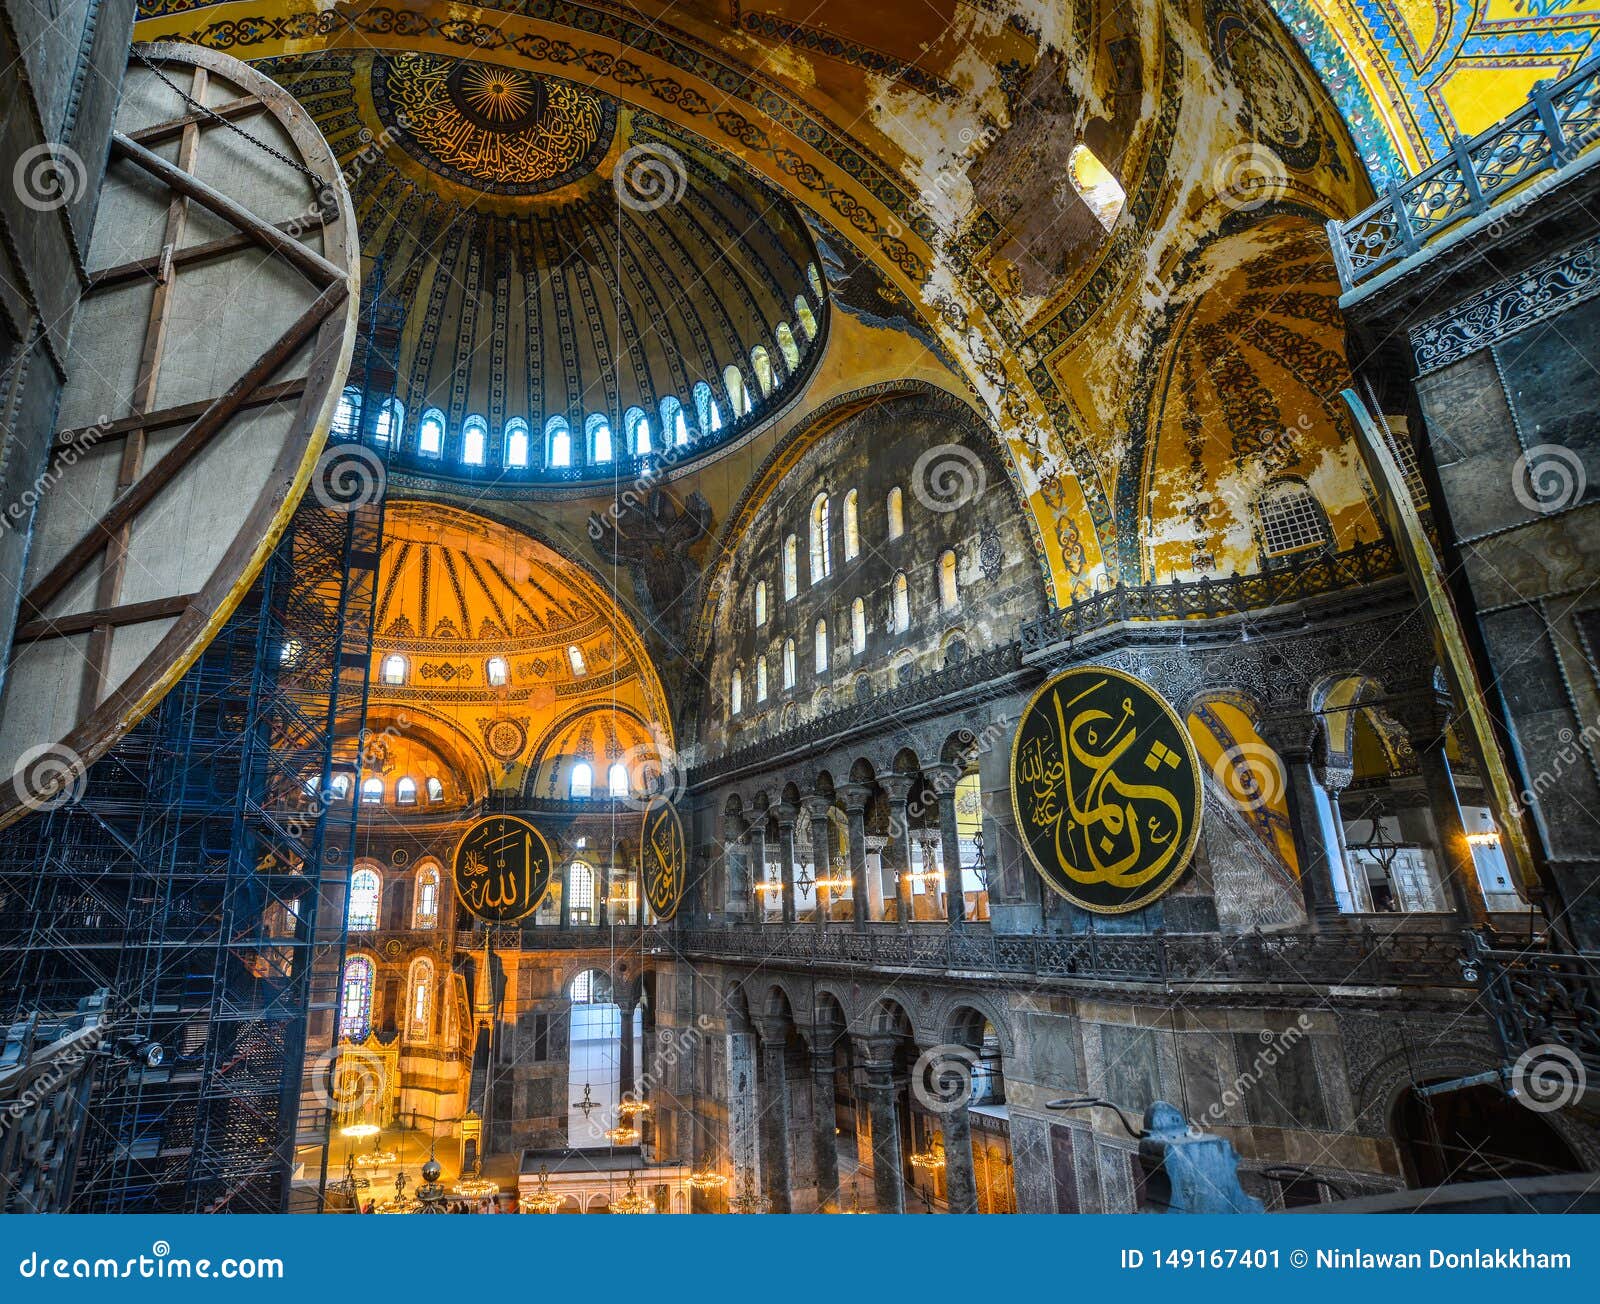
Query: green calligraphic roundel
{"x": 663, "y": 857}
{"x": 501, "y": 869}
{"x": 1106, "y": 788}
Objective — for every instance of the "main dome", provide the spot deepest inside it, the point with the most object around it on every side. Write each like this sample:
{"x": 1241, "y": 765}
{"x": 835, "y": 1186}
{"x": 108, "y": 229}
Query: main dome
{"x": 589, "y": 290}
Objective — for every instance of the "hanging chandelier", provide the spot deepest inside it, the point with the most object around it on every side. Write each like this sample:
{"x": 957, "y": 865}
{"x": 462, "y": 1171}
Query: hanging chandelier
{"x": 706, "y": 1179}
{"x": 543, "y": 1200}
{"x": 746, "y": 1199}
{"x": 631, "y": 1109}
{"x": 475, "y": 1184}
{"x": 631, "y": 1201}
{"x": 622, "y": 1135}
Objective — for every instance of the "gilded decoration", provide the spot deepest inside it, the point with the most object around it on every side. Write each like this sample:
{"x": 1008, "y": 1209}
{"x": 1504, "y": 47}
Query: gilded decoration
{"x": 501, "y": 869}
{"x": 499, "y": 129}
{"x": 663, "y": 857}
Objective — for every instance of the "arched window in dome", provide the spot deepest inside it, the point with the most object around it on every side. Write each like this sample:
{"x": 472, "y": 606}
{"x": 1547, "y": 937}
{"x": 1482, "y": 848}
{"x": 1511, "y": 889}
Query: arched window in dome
{"x": 761, "y": 365}
{"x": 474, "y": 442}
{"x": 674, "y": 426}
{"x": 802, "y": 314}
{"x": 575, "y": 660}
{"x": 347, "y": 414}
{"x": 637, "y": 426}
{"x": 761, "y": 603}
{"x": 517, "y": 444}
{"x": 435, "y": 789}
{"x": 821, "y": 539}
{"x": 430, "y": 434}
{"x": 425, "y": 914}
{"x": 901, "y": 601}
{"x": 617, "y": 780}
{"x": 787, "y": 347}
{"x": 761, "y": 679}
{"x": 852, "y": 525}
{"x": 738, "y": 396}
{"x": 394, "y": 669}
{"x": 598, "y": 431}
{"x": 788, "y": 663}
{"x": 821, "y": 640}
{"x": 366, "y": 896}
{"x": 1291, "y": 518}
{"x": 736, "y": 692}
{"x": 815, "y": 277}
{"x": 1099, "y": 190}
{"x": 419, "y": 1013}
{"x": 705, "y": 406}
{"x": 497, "y": 672}
{"x": 582, "y": 782}
{"x": 340, "y": 787}
{"x": 949, "y": 593}
{"x": 557, "y": 443}
{"x": 355, "y": 999}
{"x": 405, "y": 791}
{"x": 391, "y": 421}
{"x": 858, "y": 627}
{"x": 371, "y": 791}
{"x": 791, "y": 566}
{"x": 897, "y": 513}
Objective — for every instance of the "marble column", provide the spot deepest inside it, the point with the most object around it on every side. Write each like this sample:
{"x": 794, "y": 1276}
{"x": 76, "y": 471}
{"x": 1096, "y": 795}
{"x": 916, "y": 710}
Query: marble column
{"x": 855, "y": 797}
{"x": 1293, "y": 738}
{"x": 602, "y": 890}
{"x": 758, "y": 867}
{"x": 876, "y": 1056}
{"x": 786, "y": 817}
{"x": 739, "y": 894}
{"x": 566, "y": 890}
{"x": 821, "y": 1045}
{"x": 1425, "y": 718}
{"x": 955, "y": 901}
{"x": 898, "y": 788}
{"x": 960, "y": 1181}
{"x": 774, "y": 1113}
{"x": 816, "y": 810}
{"x": 626, "y": 1003}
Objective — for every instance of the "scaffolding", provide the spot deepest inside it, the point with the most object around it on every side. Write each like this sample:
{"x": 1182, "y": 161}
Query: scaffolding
{"x": 202, "y": 876}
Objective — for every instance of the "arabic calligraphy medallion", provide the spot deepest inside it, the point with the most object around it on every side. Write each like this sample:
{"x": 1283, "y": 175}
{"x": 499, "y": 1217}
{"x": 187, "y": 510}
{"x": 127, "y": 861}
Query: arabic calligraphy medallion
{"x": 501, "y": 869}
{"x": 1106, "y": 788}
{"x": 662, "y": 857}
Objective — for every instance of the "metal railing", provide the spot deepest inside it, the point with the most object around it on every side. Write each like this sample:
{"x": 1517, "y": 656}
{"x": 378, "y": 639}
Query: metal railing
{"x": 1539, "y": 998}
{"x": 1560, "y": 121}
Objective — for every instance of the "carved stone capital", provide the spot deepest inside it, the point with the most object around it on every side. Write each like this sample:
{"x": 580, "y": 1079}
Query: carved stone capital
{"x": 815, "y": 808}
{"x": 856, "y": 797}
{"x": 1293, "y": 736}
{"x": 785, "y": 814}
{"x": 1424, "y": 716}
{"x": 897, "y": 787}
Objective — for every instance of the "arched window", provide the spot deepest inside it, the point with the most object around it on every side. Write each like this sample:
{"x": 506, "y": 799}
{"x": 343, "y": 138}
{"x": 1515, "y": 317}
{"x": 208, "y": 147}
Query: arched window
{"x": 598, "y": 431}
{"x": 474, "y": 442}
{"x": 347, "y": 413}
{"x": 355, "y": 999}
{"x": 1291, "y": 518}
{"x": 738, "y": 395}
{"x": 949, "y": 594}
{"x": 419, "y": 1013}
{"x": 391, "y": 421}
{"x": 1095, "y": 185}
{"x": 517, "y": 444}
{"x": 435, "y": 790}
{"x": 582, "y": 784}
{"x": 902, "y": 603}
{"x": 497, "y": 672}
{"x": 430, "y": 434}
{"x": 787, "y": 346}
{"x": 852, "y": 525}
{"x": 575, "y": 660}
{"x": 761, "y": 364}
{"x": 617, "y": 780}
{"x": 580, "y": 895}
{"x": 394, "y": 669}
{"x": 705, "y": 406}
{"x": 340, "y": 788}
{"x": 405, "y": 791}
{"x": 425, "y": 913}
{"x": 821, "y": 539}
{"x": 897, "y": 513}
{"x": 788, "y": 663}
{"x": 802, "y": 313}
{"x": 674, "y": 426}
{"x": 366, "y": 895}
{"x": 858, "y": 627}
{"x": 557, "y": 443}
{"x": 791, "y": 567}
{"x": 637, "y": 427}
{"x": 371, "y": 791}
{"x": 736, "y": 692}
{"x": 760, "y": 601}
{"x": 761, "y": 679}
{"x": 821, "y": 639}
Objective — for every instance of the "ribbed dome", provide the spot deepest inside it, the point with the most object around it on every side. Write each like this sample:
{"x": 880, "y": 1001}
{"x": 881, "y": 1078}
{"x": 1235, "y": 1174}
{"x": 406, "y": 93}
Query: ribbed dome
{"x": 566, "y": 262}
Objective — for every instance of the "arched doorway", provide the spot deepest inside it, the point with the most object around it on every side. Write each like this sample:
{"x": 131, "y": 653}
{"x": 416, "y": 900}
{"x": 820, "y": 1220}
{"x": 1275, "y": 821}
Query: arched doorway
{"x": 1475, "y": 1134}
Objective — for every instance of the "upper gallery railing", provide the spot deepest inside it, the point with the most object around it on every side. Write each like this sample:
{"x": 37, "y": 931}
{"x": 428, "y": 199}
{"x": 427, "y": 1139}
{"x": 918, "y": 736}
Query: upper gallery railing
{"x": 1539, "y": 998}
{"x": 1560, "y": 121}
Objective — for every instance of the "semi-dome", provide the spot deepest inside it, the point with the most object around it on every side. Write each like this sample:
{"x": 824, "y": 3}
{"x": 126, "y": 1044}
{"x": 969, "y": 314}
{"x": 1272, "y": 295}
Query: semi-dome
{"x": 585, "y": 286}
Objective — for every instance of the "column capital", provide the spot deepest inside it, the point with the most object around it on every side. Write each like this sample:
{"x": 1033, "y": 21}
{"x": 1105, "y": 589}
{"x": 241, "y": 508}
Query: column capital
{"x": 944, "y": 777}
{"x": 816, "y": 808}
{"x": 772, "y": 1029}
{"x": 785, "y": 814}
{"x": 855, "y": 797}
{"x": 1424, "y": 716}
{"x": 1292, "y": 736}
{"x": 875, "y": 1051}
{"x": 897, "y": 787}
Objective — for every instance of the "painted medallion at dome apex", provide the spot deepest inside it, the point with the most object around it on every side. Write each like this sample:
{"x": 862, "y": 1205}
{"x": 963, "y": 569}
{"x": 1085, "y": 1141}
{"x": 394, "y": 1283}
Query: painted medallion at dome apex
{"x": 495, "y": 129}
